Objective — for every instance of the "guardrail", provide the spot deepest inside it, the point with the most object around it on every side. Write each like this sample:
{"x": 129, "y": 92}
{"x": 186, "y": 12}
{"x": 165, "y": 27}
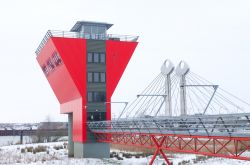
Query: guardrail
{"x": 68, "y": 34}
{"x": 234, "y": 125}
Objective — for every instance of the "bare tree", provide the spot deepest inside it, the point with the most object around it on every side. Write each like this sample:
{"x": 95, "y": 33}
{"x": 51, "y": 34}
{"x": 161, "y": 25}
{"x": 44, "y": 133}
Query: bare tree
{"x": 42, "y": 134}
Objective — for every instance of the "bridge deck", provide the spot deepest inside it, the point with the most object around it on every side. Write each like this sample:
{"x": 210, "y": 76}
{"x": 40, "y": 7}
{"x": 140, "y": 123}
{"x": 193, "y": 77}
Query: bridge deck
{"x": 225, "y": 136}
{"x": 230, "y": 125}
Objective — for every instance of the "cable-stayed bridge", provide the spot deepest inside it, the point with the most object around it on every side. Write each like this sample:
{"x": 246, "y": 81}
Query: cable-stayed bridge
{"x": 182, "y": 112}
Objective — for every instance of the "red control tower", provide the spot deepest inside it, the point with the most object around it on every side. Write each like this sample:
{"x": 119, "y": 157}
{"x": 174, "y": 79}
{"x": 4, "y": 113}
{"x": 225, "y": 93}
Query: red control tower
{"x": 83, "y": 67}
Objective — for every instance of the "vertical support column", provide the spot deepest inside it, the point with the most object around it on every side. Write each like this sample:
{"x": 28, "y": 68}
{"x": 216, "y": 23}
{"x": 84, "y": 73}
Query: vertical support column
{"x": 70, "y": 139}
{"x": 182, "y": 70}
{"x": 21, "y": 137}
{"x": 183, "y": 103}
{"x": 168, "y": 101}
{"x": 166, "y": 70}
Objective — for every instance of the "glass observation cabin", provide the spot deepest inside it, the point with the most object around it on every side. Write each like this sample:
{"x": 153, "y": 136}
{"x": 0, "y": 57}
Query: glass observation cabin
{"x": 91, "y": 30}
{"x": 87, "y": 30}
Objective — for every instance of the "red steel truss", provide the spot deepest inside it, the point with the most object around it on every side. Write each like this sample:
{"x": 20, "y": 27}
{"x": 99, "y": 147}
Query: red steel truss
{"x": 218, "y": 146}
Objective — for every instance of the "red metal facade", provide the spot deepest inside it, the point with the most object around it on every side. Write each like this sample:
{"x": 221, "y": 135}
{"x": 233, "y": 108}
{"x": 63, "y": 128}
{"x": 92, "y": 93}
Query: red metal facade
{"x": 68, "y": 80}
{"x": 118, "y": 54}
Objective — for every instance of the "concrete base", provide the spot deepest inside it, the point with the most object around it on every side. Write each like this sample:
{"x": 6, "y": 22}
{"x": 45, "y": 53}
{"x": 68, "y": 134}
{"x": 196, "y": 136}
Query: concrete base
{"x": 91, "y": 150}
{"x": 70, "y": 138}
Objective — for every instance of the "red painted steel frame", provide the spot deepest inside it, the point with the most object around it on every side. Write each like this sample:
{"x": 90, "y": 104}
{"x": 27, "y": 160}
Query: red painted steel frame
{"x": 218, "y": 146}
{"x": 69, "y": 81}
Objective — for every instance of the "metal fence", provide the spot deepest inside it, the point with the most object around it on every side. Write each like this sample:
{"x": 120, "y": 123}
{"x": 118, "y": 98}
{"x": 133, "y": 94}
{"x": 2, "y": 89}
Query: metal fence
{"x": 68, "y": 34}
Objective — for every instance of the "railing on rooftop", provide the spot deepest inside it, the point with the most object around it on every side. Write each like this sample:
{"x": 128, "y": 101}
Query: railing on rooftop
{"x": 68, "y": 34}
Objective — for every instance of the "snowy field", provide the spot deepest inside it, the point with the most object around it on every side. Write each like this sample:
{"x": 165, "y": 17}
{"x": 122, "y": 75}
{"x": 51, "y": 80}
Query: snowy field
{"x": 56, "y": 154}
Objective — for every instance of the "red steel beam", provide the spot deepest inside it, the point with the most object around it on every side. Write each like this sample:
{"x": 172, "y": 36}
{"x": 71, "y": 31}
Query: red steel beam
{"x": 217, "y": 146}
{"x": 159, "y": 149}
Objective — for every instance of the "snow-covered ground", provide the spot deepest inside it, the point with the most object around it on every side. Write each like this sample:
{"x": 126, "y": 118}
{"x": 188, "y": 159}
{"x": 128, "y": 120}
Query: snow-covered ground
{"x": 56, "y": 154}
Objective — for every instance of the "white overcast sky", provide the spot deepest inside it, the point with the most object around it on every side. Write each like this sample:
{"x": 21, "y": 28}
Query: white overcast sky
{"x": 212, "y": 36}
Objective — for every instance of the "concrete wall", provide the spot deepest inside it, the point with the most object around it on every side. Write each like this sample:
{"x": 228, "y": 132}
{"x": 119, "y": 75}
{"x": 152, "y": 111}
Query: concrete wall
{"x": 70, "y": 138}
{"x": 92, "y": 150}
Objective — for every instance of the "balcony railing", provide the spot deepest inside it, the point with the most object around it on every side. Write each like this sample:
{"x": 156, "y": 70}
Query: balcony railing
{"x": 68, "y": 34}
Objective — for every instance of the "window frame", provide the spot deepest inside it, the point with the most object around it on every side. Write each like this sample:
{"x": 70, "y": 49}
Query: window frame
{"x": 90, "y": 80}
{"x": 101, "y": 77}
{"x": 96, "y": 96}
{"x": 90, "y": 54}
{"x": 102, "y": 73}
{"x": 96, "y": 75}
{"x": 90, "y": 97}
{"x": 96, "y": 57}
{"x": 104, "y": 58}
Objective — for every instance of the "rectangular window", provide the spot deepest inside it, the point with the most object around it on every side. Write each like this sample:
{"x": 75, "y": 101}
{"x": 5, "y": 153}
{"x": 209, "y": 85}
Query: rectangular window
{"x": 102, "y": 77}
{"x": 101, "y": 30}
{"x": 96, "y": 77}
{"x": 102, "y": 58}
{"x": 87, "y": 29}
{"x": 90, "y": 57}
{"x": 99, "y": 97}
{"x": 96, "y": 96}
{"x": 99, "y": 116}
{"x": 90, "y": 116}
{"x": 96, "y": 116}
{"x": 90, "y": 97}
{"x": 94, "y": 29}
{"x": 96, "y": 57}
{"x": 90, "y": 77}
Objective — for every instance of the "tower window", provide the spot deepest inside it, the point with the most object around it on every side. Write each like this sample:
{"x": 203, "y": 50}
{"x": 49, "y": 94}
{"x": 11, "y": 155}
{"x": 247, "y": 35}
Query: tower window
{"x": 102, "y": 77}
{"x": 102, "y": 57}
{"x": 96, "y": 116}
{"x": 99, "y": 96}
{"x": 87, "y": 29}
{"x": 90, "y": 77}
{"x": 95, "y": 57}
{"x": 90, "y": 57}
{"x": 90, "y": 97}
{"x": 96, "y": 96}
{"x": 96, "y": 77}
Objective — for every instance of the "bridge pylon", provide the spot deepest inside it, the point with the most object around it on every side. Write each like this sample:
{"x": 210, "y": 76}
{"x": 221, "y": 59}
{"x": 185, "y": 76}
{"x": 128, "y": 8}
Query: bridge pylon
{"x": 167, "y": 69}
{"x": 182, "y": 70}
